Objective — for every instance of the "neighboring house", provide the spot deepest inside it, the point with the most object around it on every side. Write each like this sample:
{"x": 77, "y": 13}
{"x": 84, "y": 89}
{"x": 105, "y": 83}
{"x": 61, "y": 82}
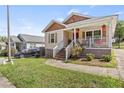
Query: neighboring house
{"x": 2, "y": 45}
{"x": 24, "y": 41}
{"x": 93, "y": 33}
{"x": 31, "y": 41}
{"x": 15, "y": 42}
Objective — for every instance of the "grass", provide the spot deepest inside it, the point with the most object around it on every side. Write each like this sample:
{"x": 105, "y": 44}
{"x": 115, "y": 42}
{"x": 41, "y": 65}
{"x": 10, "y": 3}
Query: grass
{"x": 115, "y": 45}
{"x": 96, "y": 62}
{"x": 32, "y": 72}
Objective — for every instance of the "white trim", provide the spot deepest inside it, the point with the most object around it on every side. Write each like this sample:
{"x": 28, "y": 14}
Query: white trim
{"x": 85, "y": 34}
{"x": 54, "y": 31}
{"x": 110, "y": 34}
{"x": 78, "y": 14}
{"x": 91, "y": 22}
{"x": 53, "y": 21}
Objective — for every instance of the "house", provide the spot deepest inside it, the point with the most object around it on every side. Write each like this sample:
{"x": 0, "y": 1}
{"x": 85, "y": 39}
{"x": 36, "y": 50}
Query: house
{"x": 25, "y": 41}
{"x": 15, "y": 42}
{"x": 94, "y": 34}
{"x": 2, "y": 45}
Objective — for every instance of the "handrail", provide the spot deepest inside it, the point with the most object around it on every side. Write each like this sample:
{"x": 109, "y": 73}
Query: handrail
{"x": 57, "y": 48}
{"x": 68, "y": 49}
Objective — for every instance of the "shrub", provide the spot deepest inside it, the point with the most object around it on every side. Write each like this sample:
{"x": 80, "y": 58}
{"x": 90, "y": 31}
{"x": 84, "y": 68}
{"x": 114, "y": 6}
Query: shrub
{"x": 89, "y": 57}
{"x": 4, "y": 52}
{"x": 76, "y": 50}
{"x": 107, "y": 58}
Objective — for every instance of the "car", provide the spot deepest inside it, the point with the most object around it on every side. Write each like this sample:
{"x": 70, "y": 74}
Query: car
{"x": 33, "y": 52}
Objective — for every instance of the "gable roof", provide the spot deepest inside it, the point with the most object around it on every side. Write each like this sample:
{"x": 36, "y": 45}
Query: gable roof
{"x": 51, "y": 23}
{"x": 31, "y": 38}
{"x": 15, "y": 39}
{"x": 81, "y": 16}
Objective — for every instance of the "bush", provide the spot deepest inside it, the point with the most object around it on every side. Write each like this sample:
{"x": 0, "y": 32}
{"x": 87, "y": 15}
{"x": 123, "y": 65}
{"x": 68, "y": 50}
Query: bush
{"x": 76, "y": 50}
{"x": 4, "y": 52}
{"x": 107, "y": 58}
{"x": 89, "y": 57}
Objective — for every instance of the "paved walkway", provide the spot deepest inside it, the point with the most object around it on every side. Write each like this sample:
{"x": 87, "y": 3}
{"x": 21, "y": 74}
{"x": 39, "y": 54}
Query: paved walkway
{"x": 83, "y": 68}
{"x": 114, "y": 72}
{"x": 120, "y": 59}
{"x": 4, "y": 83}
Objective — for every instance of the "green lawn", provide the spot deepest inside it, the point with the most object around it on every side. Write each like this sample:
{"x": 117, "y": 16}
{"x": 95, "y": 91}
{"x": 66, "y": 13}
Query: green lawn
{"x": 32, "y": 72}
{"x": 115, "y": 45}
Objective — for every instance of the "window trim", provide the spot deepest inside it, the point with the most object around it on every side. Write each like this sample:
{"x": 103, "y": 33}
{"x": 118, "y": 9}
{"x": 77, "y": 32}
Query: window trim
{"x": 54, "y": 37}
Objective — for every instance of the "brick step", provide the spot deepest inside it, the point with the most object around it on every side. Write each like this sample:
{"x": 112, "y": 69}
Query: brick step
{"x": 60, "y": 55}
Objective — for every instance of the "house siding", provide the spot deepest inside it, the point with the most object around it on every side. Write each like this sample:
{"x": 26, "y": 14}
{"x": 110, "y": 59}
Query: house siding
{"x": 97, "y": 52}
{"x": 49, "y": 53}
{"x": 59, "y": 38}
{"x": 55, "y": 26}
{"x": 75, "y": 18}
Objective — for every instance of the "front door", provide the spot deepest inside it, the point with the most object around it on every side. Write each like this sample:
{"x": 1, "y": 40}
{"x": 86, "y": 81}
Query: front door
{"x": 77, "y": 35}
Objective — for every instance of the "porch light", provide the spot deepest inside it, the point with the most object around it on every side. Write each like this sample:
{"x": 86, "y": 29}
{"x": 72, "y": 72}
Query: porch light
{"x": 103, "y": 27}
{"x": 77, "y": 30}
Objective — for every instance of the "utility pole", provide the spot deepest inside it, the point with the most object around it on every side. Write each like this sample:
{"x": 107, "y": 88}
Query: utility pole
{"x": 8, "y": 32}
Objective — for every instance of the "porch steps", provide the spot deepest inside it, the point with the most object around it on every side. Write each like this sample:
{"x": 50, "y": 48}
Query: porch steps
{"x": 60, "y": 55}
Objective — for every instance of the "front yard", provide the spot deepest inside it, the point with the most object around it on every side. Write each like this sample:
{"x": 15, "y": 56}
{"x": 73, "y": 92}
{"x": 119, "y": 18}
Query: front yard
{"x": 32, "y": 72}
{"x": 95, "y": 62}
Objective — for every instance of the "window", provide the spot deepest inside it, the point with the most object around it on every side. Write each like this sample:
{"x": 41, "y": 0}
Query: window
{"x": 52, "y": 38}
{"x": 89, "y": 34}
{"x": 32, "y": 45}
{"x": 97, "y": 33}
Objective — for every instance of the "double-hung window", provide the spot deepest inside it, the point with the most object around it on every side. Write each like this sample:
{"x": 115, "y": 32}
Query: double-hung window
{"x": 52, "y": 38}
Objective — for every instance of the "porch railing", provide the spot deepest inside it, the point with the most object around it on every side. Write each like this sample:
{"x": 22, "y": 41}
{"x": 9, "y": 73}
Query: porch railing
{"x": 93, "y": 42}
{"x": 57, "y": 48}
{"x": 68, "y": 49}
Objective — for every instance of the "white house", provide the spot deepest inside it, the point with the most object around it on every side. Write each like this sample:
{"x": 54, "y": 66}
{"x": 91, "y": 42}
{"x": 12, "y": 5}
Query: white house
{"x": 93, "y": 33}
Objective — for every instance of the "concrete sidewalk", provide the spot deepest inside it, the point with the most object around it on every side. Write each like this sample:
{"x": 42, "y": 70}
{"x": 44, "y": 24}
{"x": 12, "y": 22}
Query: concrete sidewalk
{"x": 4, "y": 83}
{"x": 113, "y": 72}
{"x": 120, "y": 59}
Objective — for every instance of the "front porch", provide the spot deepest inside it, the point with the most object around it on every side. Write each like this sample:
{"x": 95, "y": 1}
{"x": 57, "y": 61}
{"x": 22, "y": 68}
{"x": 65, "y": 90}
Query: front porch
{"x": 88, "y": 37}
{"x": 94, "y": 39}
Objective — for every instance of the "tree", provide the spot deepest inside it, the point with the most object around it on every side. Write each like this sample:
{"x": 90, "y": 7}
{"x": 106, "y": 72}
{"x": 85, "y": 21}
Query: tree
{"x": 119, "y": 32}
{"x": 3, "y": 39}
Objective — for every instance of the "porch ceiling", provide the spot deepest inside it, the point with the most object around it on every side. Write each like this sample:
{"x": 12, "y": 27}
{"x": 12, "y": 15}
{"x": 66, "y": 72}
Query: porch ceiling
{"x": 84, "y": 28}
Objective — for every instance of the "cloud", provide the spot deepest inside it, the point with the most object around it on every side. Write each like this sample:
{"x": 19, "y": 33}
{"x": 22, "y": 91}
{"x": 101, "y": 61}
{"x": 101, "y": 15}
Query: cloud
{"x": 74, "y": 10}
{"x": 119, "y": 13}
{"x": 60, "y": 19}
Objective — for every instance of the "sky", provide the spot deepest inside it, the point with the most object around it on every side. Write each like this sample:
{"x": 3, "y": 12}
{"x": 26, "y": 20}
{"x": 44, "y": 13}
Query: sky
{"x": 31, "y": 19}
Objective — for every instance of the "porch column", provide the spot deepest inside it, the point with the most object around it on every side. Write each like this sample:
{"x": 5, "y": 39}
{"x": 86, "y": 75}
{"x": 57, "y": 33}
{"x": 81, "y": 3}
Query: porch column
{"x": 110, "y": 35}
{"x": 85, "y": 35}
{"x": 75, "y": 35}
{"x": 101, "y": 32}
